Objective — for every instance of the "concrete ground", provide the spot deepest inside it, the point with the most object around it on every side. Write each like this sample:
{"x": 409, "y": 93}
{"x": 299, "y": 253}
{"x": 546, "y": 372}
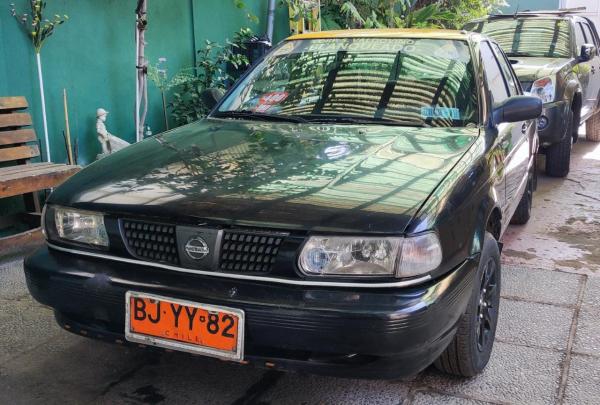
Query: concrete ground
{"x": 547, "y": 349}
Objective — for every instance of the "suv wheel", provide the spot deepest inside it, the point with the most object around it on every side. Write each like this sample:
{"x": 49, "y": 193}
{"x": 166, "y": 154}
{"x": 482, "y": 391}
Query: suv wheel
{"x": 523, "y": 211}
{"x": 558, "y": 156}
{"x": 592, "y": 128}
{"x": 470, "y": 350}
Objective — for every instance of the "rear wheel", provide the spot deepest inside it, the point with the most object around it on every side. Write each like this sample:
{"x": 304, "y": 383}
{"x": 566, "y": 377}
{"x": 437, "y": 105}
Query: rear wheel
{"x": 558, "y": 156}
{"x": 523, "y": 212}
{"x": 592, "y": 128}
{"x": 469, "y": 352}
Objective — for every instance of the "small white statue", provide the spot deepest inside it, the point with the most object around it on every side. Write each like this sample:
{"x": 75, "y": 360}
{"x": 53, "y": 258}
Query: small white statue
{"x": 108, "y": 141}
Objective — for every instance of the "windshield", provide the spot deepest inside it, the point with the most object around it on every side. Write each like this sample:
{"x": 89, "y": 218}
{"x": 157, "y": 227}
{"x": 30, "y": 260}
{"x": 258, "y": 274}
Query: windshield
{"x": 534, "y": 37}
{"x": 409, "y": 82}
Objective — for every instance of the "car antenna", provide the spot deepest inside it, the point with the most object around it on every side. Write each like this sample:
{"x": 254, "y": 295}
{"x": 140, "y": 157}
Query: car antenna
{"x": 516, "y": 10}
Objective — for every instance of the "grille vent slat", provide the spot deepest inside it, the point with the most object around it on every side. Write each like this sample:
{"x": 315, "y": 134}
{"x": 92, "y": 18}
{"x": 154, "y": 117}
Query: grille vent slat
{"x": 243, "y": 251}
{"x": 151, "y": 241}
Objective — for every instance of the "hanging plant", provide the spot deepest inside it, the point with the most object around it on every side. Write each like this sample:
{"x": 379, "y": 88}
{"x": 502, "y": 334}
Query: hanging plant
{"x": 38, "y": 28}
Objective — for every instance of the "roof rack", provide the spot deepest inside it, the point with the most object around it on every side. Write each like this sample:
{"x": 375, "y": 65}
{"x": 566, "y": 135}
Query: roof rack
{"x": 559, "y": 12}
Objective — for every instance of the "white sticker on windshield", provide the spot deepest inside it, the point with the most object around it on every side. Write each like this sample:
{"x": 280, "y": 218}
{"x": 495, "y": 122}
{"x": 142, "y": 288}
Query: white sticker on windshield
{"x": 440, "y": 112}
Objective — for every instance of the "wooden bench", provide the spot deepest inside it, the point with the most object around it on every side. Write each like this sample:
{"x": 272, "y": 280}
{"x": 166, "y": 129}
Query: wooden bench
{"x": 20, "y": 176}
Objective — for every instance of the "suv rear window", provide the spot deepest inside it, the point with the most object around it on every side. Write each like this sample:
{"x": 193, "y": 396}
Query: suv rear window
{"x": 534, "y": 37}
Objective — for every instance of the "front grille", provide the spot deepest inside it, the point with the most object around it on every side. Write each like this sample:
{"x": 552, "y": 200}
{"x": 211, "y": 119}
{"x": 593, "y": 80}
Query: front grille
{"x": 248, "y": 251}
{"x": 151, "y": 241}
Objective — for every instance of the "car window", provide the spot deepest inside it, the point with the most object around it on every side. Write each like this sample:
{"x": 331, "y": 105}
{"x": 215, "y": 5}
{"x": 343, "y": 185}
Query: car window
{"x": 587, "y": 31}
{"x": 594, "y": 30}
{"x": 493, "y": 74}
{"x": 535, "y": 37}
{"x": 506, "y": 70}
{"x": 403, "y": 81}
{"x": 579, "y": 36}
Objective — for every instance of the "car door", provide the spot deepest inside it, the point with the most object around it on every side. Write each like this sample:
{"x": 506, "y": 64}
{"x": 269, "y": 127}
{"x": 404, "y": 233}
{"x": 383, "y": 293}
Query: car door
{"x": 522, "y": 148}
{"x": 594, "y": 78}
{"x": 583, "y": 70}
{"x": 513, "y": 139}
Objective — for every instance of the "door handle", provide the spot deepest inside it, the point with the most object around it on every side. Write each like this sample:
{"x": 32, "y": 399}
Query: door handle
{"x": 593, "y": 70}
{"x": 524, "y": 128}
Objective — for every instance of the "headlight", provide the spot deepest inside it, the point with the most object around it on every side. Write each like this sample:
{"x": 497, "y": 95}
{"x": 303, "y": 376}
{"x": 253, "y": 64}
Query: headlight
{"x": 544, "y": 89}
{"x": 370, "y": 256}
{"x": 77, "y": 226}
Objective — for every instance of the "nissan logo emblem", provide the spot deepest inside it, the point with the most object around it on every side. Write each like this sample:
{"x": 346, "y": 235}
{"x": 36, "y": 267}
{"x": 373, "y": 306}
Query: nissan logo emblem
{"x": 196, "y": 248}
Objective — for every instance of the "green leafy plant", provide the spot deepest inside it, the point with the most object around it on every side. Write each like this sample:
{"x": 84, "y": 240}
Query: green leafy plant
{"x": 241, "y": 4}
{"x": 302, "y": 9}
{"x": 210, "y": 72}
{"x": 241, "y": 37}
{"x": 158, "y": 74}
{"x": 338, "y": 14}
{"x": 38, "y": 28}
{"x": 467, "y": 10}
{"x": 383, "y": 14}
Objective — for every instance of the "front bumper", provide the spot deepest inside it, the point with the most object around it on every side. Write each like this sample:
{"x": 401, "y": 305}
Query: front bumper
{"x": 557, "y": 114}
{"x": 370, "y": 333}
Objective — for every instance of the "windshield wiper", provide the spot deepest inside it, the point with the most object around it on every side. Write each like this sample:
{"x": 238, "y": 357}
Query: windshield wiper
{"x": 348, "y": 119}
{"x": 253, "y": 115}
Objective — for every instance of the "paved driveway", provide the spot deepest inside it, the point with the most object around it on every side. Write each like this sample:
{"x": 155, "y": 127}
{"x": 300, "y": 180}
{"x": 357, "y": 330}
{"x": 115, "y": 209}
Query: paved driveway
{"x": 547, "y": 350}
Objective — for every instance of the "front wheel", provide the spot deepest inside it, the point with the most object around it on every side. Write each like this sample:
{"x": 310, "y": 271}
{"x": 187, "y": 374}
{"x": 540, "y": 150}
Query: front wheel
{"x": 470, "y": 350}
{"x": 558, "y": 157}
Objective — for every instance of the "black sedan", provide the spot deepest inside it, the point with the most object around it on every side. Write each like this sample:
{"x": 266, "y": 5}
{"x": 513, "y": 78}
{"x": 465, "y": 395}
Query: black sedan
{"x": 338, "y": 212}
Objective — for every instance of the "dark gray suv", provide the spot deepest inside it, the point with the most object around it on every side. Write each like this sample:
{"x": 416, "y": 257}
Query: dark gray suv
{"x": 555, "y": 56}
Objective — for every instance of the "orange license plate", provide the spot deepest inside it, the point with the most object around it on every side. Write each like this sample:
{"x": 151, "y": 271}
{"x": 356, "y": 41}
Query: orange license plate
{"x": 184, "y": 325}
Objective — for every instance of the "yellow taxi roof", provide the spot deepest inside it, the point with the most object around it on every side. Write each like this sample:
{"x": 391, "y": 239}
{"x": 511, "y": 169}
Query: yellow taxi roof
{"x": 383, "y": 33}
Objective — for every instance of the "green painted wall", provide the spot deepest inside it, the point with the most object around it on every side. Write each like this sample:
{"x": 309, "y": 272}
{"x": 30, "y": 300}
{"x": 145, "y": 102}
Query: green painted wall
{"x": 3, "y": 77}
{"x": 93, "y": 57}
{"x": 88, "y": 56}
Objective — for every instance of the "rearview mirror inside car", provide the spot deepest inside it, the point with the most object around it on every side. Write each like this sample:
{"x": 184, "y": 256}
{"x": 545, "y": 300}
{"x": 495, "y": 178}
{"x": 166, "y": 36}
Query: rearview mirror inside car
{"x": 210, "y": 97}
{"x": 518, "y": 108}
{"x": 588, "y": 51}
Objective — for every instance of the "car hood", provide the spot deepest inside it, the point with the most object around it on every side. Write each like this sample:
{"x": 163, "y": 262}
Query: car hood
{"x": 346, "y": 178}
{"x": 531, "y": 69}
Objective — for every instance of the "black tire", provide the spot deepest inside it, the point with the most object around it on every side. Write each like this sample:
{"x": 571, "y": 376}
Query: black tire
{"x": 523, "y": 211}
{"x": 558, "y": 156}
{"x": 470, "y": 350}
{"x": 576, "y": 124}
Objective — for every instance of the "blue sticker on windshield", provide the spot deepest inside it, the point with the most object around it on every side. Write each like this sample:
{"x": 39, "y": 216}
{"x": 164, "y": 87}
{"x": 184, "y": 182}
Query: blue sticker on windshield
{"x": 440, "y": 112}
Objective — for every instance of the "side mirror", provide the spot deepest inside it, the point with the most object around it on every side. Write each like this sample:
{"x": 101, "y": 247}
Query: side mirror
{"x": 210, "y": 97}
{"x": 517, "y": 108}
{"x": 588, "y": 51}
